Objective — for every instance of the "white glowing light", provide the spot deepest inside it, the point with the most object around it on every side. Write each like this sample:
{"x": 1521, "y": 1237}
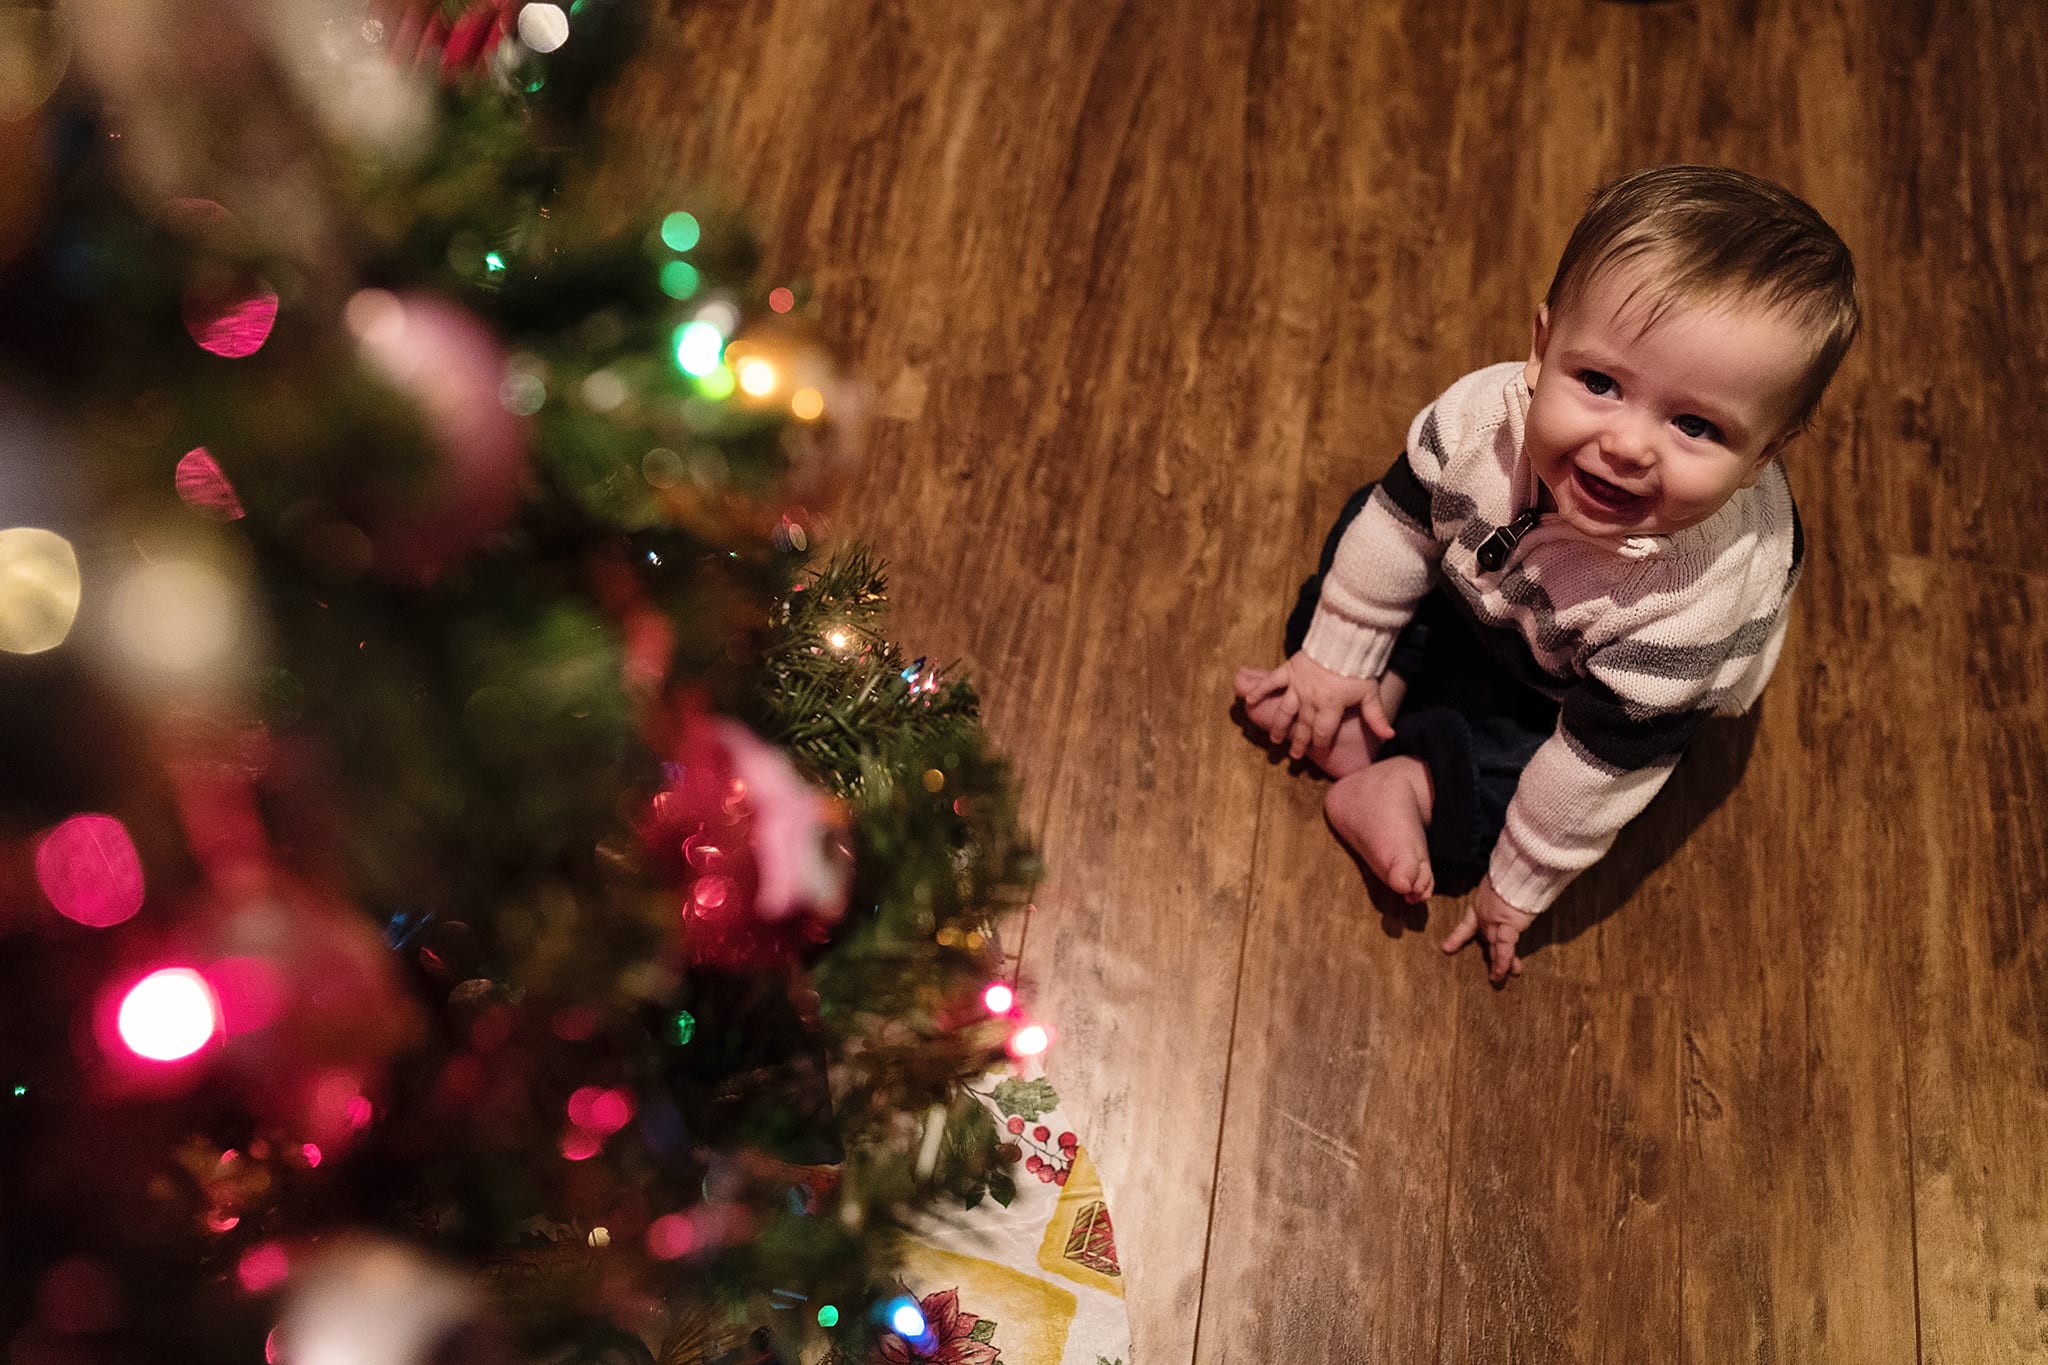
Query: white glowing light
{"x": 837, "y": 638}
{"x": 757, "y": 377}
{"x": 177, "y": 616}
{"x": 1030, "y": 1041}
{"x": 543, "y": 27}
{"x": 998, "y": 998}
{"x": 39, "y": 589}
{"x": 168, "y": 1014}
{"x": 906, "y": 1321}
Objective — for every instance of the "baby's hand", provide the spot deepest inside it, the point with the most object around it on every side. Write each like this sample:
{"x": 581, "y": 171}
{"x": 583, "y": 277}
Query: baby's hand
{"x": 1501, "y": 925}
{"x": 1300, "y": 704}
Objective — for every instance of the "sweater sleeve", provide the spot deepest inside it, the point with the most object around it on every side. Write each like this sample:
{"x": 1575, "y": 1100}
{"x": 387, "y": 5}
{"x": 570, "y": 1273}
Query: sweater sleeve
{"x": 1385, "y": 562}
{"x": 1620, "y": 732}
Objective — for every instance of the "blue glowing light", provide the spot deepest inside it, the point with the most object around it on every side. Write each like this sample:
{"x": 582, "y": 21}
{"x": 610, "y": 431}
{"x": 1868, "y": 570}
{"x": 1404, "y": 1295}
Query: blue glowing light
{"x": 906, "y": 1321}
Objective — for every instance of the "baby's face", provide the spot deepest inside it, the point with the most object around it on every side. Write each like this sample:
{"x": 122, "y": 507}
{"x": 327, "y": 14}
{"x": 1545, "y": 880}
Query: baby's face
{"x": 1637, "y": 432}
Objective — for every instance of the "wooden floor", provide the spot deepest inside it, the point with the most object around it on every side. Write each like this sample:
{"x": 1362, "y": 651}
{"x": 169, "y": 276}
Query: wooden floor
{"x": 1145, "y": 288}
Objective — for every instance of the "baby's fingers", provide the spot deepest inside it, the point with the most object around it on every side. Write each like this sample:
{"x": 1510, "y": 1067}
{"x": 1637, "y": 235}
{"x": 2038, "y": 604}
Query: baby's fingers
{"x": 1501, "y": 959}
{"x": 1462, "y": 935}
{"x": 1255, "y": 685}
{"x": 1375, "y": 715}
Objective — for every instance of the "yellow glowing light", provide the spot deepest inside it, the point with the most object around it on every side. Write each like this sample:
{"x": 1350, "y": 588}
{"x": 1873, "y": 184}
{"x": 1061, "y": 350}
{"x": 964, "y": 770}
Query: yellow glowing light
{"x": 838, "y": 639}
{"x": 39, "y": 589}
{"x": 758, "y": 377}
{"x": 807, "y": 404}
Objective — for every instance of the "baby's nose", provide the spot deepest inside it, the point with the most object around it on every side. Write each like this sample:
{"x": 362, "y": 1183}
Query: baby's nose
{"x": 1628, "y": 442}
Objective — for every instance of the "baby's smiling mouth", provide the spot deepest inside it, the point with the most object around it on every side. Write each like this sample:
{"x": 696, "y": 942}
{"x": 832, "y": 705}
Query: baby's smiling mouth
{"x": 1605, "y": 496}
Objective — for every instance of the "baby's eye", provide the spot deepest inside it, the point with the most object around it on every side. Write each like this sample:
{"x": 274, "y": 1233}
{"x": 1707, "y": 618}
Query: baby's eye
{"x": 1697, "y": 428}
{"x": 1597, "y": 384}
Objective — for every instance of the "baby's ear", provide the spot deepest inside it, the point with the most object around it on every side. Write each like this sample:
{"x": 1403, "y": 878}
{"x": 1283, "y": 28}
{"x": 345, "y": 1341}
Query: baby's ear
{"x": 1538, "y": 343}
{"x": 1772, "y": 449}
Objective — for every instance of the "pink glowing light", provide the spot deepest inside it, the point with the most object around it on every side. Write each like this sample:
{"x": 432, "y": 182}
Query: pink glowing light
{"x": 232, "y": 326}
{"x": 599, "y": 1110}
{"x": 88, "y": 868}
{"x": 168, "y": 1015}
{"x": 671, "y": 1236}
{"x": 998, "y": 998}
{"x": 781, "y": 300}
{"x": 263, "y": 1268}
{"x": 201, "y": 485}
{"x": 1030, "y": 1041}
{"x": 580, "y": 1144}
{"x": 311, "y": 1152}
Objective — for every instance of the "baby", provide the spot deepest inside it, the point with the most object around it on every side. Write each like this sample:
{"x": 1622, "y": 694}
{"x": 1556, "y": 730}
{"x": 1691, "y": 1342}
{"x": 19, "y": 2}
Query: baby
{"x": 1514, "y": 633}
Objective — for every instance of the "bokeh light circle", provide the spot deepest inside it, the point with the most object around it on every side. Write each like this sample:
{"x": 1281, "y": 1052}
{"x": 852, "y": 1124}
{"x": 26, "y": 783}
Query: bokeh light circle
{"x": 168, "y": 1015}
{"x": 40, "y": 589}
{"x": 89, "y": 869}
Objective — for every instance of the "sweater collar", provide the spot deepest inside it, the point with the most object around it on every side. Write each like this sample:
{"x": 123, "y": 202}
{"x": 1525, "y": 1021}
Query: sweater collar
{"x": 1528, "y": 486}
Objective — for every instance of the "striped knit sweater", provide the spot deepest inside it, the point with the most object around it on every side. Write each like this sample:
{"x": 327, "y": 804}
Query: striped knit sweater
{"x": 1640, "y": 639}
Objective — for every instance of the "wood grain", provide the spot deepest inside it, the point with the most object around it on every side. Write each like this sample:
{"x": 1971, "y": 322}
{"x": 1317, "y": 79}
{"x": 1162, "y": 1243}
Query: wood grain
{"x": 1142, "y": 291}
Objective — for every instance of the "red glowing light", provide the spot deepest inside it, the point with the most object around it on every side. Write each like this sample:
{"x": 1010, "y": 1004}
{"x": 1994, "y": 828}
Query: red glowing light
{"x": 671, "y": 1236}
{"x": 360, "y": 1111}
{"x": 1030, "y": 1041}
{"x": 580, "y": 1144}
{"x": 168, "y": 1015}
{"x": 311, "y": 1152}
{"x": 201, "y": 485}
{"x": 781, "y": 300}
{"x": 218, "y": 1221}
{"x": 88, "y": 868}
{"x": 263, "y": 1267}
{"x": 998, "y": 998}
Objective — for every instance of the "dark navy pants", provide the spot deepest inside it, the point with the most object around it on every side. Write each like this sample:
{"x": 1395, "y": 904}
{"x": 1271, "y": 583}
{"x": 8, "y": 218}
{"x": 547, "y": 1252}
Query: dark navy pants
{"x": 1472, "y": 723}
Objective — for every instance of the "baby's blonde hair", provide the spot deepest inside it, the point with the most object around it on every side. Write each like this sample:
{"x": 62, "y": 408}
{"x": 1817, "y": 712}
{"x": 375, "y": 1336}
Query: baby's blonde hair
{"x": 1710, "y": 234}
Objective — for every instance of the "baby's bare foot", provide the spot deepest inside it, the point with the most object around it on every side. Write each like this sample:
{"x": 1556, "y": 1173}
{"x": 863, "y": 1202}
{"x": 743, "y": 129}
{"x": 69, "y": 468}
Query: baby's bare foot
{"x": 1383, "y": 813}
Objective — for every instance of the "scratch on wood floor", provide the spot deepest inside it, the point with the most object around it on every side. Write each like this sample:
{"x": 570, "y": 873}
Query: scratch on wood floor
{"x": 1347, "y": 1154}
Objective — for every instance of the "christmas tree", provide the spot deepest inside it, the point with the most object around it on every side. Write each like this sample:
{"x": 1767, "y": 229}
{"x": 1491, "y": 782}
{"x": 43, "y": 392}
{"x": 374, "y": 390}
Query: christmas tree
{"x": 474, "y": 886}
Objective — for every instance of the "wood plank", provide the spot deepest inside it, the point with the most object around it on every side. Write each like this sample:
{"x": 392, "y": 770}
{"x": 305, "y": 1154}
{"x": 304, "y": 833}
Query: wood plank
{"x": 1973, "y": 848}
{"x": 1328, "y": 1237}
{"x": 1563, "y": 1237}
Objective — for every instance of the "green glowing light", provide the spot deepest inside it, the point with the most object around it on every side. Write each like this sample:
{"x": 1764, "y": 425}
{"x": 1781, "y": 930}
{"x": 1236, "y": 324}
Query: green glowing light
{"x": 698, "y": 347}
{"x": 679, "y": 279}
{"x": 716, "y": 385}
{"x": 679, "y": 231}
{"x": 493, "y": 262}
{"x": 828, "y": 1316}
{"x": 20, "y": 1090}
{"x": 682, "y": 1028}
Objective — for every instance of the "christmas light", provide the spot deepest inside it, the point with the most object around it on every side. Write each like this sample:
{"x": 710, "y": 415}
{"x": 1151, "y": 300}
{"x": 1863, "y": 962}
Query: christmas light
{"x": 680, "y": 231}
{"x": 781, "y": 300}
{"x": 679, "y": 279}
{"x": 202, "y": 486}
{"x": 698, "y": 347}
{"x": 828, "y": 1316}
{"x": 543, "y": 27}
{"x": 88, "y": 868}
{"x": 263, "y": 1267}
{"x": 757, "y": 377}
{"x": 1030, "y": 1041}
{"x": 168, "y": 1015}
{"x": 670, "y": 1236}
{"x": 807, "y": 404}
{"x": 39, "y": 589}
{"x": 906, "y": 1320}
{"x": 998, "y": 998}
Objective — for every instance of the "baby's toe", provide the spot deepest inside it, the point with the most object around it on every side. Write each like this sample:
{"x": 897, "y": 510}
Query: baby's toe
{"x": 1425, "y": 886}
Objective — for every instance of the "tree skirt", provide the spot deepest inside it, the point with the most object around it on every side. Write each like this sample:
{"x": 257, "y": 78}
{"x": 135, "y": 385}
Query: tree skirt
{"x": 1033, "y": 1283}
